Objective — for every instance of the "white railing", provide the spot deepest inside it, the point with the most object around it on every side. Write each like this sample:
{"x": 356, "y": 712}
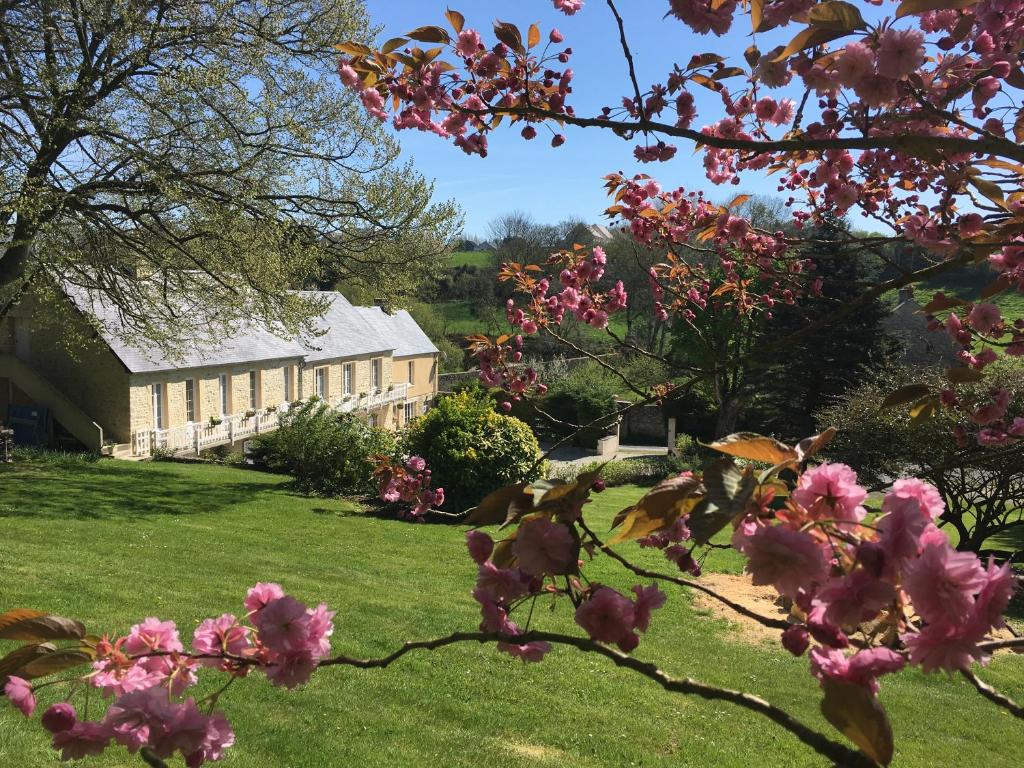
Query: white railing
{"x": 207, "y": 434}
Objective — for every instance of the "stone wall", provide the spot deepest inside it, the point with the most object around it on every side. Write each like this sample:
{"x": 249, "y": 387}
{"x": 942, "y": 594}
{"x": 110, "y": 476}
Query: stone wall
{"x": 645, "y": 425}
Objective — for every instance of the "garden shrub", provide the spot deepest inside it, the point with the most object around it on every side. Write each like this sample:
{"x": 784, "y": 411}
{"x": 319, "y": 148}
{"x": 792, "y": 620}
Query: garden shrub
{"x": 471, "y": 449}
{"x": 325, "y": 451}
{"x": 983, "y": 487}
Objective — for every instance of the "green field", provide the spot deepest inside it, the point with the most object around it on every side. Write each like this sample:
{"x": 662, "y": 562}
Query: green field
{"x": 112, "y": 542}
{"x": 471, "y": 259}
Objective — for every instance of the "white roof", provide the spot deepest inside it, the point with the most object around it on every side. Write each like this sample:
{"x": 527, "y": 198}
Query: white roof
{"x": 345, "y": 331}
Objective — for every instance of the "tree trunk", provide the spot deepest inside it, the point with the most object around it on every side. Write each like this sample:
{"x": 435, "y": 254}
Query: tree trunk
{"x": 728, "y": 414}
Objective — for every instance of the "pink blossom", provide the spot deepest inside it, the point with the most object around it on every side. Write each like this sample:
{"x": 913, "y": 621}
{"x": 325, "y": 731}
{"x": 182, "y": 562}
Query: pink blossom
{"x": 542, "y": 547}
{"x": 945, "y": 647}
{"x": 292, "y": 669}
{"x": 468, "y": 43}
{"x": 942, "y": 582}
{"x": 863, "y": 668}
{"x": 568, "y": 7}
{"x": 261, "y": 594}
{"x": 796, "y": 639}
{"x": 900, "y": 530}
{"x": 608, "y": 617}
{"x": 416, "y": 463}
{"x": 984, "y": 317}
{"x": 218, "y": 737}
{"x": 219, "y": 636}
{"x": 900, "y": 52}
{"x": 139, "y": 718}
{"x": 502, "y": 584}
{"x": 59, "y": 717}
{"x": 853, "y": 598}
{"x": 19, "y": 692}
{"x": 784, "y": 113}
{"x": 647, "y": 600}
{"x": 349, "y": 77}
{"x": 788, "y": 560}
{"x": 480, "y": 546}
{"x": 994, "y": 597}
{"x": 84, "y": 739}
{"x": 855, "y": 64}
{"x": 830, "y": 492}
{"x": 926, "y": 494}
{"x": 283, "y": 624}
{"x": 153, "y": 635}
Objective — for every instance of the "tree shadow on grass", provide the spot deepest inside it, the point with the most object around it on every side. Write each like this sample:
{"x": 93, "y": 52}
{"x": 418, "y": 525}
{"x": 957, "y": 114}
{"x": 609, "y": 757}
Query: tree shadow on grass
{"x": 116, "y": 490}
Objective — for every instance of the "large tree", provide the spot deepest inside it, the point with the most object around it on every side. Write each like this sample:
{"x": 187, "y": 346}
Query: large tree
{"x": 206, "y": 144}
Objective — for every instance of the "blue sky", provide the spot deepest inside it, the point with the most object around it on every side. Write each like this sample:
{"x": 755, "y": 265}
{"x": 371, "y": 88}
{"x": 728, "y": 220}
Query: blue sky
{"x": 554, "y": 184}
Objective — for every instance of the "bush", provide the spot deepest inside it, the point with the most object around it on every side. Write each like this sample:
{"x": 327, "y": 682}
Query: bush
{"x": 471, "y": 449}
{"x": 325, "y": 451}
{"x": 582, "y": 395}
{"x": 983, "y": 487}
{"x": 690, "y": 453}
{"x": 640, "y": 470}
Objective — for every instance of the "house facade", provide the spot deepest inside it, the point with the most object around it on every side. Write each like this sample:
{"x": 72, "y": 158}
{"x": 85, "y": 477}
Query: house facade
{"x": 130, "y": 400}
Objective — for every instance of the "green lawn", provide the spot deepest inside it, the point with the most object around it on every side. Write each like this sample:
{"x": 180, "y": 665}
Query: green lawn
{"x": 113, "y": 542}
{"x": 471, "y": 259}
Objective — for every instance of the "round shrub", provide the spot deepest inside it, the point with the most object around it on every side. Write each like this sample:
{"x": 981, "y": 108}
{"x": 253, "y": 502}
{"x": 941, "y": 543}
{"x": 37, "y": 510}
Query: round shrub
{"x": 471, "y": 449}
{"x": 325, "y": 451}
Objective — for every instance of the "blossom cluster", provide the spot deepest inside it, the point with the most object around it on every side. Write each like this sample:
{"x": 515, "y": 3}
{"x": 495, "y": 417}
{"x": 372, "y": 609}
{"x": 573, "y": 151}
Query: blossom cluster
{"x": 408, "y": 482}
{"x": 897, "y": 581}
{"x": 542, "y": 550}
{"x": 146, "y": 673}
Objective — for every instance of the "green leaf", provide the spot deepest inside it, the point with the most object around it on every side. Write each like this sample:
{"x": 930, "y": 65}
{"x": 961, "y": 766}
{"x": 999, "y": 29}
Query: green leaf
{"x": 429, "y": 34}
{"x": 501, "y": 505}
{"x": 912, "y": 7}
{"x": 809, "y": 446}
{"x": 533, "y": 36}
{"x": 907, "y": 394}
{"x": 754, "y": 447}
{"x": 859, "y": 716}
{"x": 964, "y": 375}
{"x": 838, "y": 16}
{"x": 43, "y": 627}
{"x": 57, "y": 661}
{"x": 393, "y": 44}
{"x": 809, "y": 38}
{"x": 510, "y": 35}
{"x": 19, "y": 657}
{"x": 729, "y": 490}
{"x": 658, "y": 508}
{"x": 456, "y": 19}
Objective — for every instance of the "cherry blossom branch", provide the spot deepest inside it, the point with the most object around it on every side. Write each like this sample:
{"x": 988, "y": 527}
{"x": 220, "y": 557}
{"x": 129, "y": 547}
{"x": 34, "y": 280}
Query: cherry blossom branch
{"x": 629, "y": 56}
{"x": 766, "y": 621}
{"x": 990, "y": 693}
{"x": 912, "y": 144}
{"x": 839, "y": 753}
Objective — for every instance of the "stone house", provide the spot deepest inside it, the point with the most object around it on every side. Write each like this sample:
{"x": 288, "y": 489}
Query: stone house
{"x": 130, "y": 399}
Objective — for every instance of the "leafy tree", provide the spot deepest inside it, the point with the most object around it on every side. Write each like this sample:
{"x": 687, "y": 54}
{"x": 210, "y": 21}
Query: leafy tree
{"x": 829, "y": 358}
{"x": 983, "y": 488}
{"x": 207, "y": 145}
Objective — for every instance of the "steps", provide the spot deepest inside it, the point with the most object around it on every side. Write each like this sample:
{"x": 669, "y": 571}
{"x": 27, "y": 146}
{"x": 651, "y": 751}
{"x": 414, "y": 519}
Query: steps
{"x": 70, "y": 416}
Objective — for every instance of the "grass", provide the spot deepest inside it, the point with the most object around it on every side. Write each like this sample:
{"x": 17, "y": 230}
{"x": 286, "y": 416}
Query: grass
{"x": 110, "y": 542}
{"x": 471, "y": 259}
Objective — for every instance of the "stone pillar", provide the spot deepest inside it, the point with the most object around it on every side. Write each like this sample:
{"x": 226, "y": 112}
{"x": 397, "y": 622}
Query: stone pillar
{"x": 672, "y": 435}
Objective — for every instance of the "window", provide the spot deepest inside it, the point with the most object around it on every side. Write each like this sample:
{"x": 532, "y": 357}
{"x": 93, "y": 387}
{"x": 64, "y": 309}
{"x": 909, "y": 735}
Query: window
{"x": 286, "y": 377}
{"x": 158, "y": 406}
{"x": 190, "y": 399}
{"x": 254, "y": 389}
{"x": 375, "y": 373}
{"x": 410, "y": 412}
{"x": 372, "y": 420}
{"x": 222, "y": 383}
{"x": 320, "y": 375}
{"x": 347, "y": 371}
{"x": 412, "y": 370}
